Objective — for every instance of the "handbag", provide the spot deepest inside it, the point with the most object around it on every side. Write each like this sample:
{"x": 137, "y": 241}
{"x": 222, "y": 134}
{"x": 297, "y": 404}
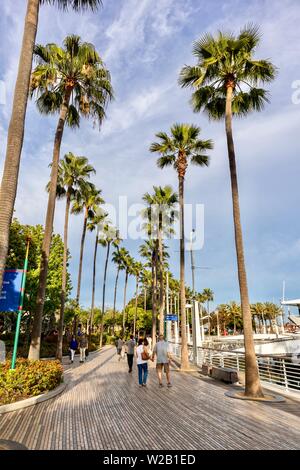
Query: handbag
{"x": 86, "y": 353}
{"x": 145, "y": 355}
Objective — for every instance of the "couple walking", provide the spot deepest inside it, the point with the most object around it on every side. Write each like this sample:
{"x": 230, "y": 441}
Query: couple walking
{"x": 143, "y": 354}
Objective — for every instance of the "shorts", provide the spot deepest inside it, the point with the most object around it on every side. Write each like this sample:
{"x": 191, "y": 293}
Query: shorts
{"x": 165, "y": 365}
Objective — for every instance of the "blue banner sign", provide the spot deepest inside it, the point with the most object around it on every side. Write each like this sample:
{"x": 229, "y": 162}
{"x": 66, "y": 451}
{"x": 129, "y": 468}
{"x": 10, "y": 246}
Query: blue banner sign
{"x": 11, "y": 288}
{"x": 171, "y": 318}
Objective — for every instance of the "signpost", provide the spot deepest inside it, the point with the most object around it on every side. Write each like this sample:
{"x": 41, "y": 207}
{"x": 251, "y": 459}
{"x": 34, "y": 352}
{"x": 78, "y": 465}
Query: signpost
{"x": 11, "y": 287}
{"x": 171, "y": 318}
{"x": 12, "y": 297}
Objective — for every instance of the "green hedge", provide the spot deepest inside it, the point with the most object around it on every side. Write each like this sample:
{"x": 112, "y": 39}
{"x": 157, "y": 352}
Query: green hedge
{"x": 30, "y": 378}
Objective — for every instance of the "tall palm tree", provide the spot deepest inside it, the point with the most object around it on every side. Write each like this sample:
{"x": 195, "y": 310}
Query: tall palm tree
{"x": 95, "y": 223}
{"x": 87, "y": 201}
{"x": 137, "y": 269}
{"x": 117, "y": 258}
{"x": 148, "y": 250}
{"x": 127, "y": 262}
{"x": 225, "y": 82}
{"x": 73, "y": 82}
{"x": 109, "y": 236}
{"x": 146, "y": 280}
{"x": 177, "y": 149}
{"x": 73, "y": 173}
{"x": 161, "y": 214}
{"x": 9, "y": 184}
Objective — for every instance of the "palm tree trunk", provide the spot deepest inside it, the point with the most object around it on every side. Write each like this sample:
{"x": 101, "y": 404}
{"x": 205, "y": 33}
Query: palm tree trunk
{"x": 15, "y": 136}
{"x": 103, "y": 294}
{"x": 124, "y": 304}
{"x": 115, "y": 299}
{"x": 34, "y": 351}
{"x": 161, "y": 285}
{"x": 64, "y": 282}
{"x": 154, "y": 297}
{"x": 93, "y": 287}
{"x": 184, "y": 346}
{"x": 80, "y": 266}
{"x": 252, "y": 382}
{"x": 145, "y": 299}
{"x": 136, "y": 303}
{"x": 81, "y": 256}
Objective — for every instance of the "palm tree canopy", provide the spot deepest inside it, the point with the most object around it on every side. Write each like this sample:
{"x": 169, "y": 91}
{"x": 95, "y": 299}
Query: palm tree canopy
{"x": 75, "y": 68}
{"x": 74, "y": 4}
{"x": 182, "y": 144}
{"x": 223, "y": 61}
{"x": 160, "y": 213}
{"x": 87, "y": 199}
{"x": 73, "y": 173}
{"x": 208, "y": 294}
{"x": 98, "y": 218}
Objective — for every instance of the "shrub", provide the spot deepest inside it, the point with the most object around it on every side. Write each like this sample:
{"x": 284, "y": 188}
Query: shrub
{"x": 30, "y": 378}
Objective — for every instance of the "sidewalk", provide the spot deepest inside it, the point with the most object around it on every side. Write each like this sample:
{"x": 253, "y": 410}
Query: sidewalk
{"x": 103, "y": 408}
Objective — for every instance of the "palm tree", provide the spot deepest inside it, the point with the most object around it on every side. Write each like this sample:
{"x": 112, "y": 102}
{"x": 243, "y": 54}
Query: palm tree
{"x": 117, "y": 258}
{"x": 95, "y": 224}
{"x": 234, "y": 312}
{"x": 73, "y": 173}
{"x": 177, "y": 149}
{"x": 149, "y": 251}
{"x": 209, "y": 297}
{"x": 73, "y": 82}
{"x": 161, "y": 215}
{"x": 8, "y": 188}
{"x": 259, "y": 309}
{"x": 87, "y": 201}
{"x": 136, "y": 270}
{"x": 146, "y": 280}
{"x": 109, "y": 236}
{"x": 225, "y": 83}
{"x": 126, "y": 263}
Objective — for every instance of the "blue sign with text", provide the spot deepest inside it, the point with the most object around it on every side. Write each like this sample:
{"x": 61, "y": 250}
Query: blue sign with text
{"x": 11, "y": 288}
{"x": 171, "y": 318}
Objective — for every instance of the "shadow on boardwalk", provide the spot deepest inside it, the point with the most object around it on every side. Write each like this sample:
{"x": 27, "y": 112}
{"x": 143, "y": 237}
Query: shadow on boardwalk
{"x": 103, "y": 408}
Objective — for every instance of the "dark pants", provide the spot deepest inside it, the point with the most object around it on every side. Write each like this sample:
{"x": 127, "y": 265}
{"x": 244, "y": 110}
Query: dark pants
{"x": 143, "y": 370}
{"x": 130, "y": 361}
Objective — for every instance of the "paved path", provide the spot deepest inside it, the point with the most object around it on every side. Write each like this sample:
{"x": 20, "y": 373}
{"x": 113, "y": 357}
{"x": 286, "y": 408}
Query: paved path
{"x": 103, "y": 408}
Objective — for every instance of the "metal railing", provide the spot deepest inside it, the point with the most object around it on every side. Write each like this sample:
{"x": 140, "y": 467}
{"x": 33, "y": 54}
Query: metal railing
{"x": 278, "y": 371}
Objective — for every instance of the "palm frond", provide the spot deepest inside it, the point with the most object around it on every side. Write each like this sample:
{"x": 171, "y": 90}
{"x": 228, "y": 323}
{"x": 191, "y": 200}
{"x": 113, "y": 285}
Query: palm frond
{"x": 76, "y": 5}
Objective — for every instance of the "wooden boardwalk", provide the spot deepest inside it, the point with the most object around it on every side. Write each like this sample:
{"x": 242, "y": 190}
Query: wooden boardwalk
{"x": 103, "y": 408}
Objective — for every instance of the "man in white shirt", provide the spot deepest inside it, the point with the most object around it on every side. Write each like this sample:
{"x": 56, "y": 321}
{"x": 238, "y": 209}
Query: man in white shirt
{"x": 163, "y": 356}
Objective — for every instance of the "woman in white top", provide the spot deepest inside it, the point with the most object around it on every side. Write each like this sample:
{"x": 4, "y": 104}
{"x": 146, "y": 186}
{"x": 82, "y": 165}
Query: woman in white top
{"x": 142, "y": 353}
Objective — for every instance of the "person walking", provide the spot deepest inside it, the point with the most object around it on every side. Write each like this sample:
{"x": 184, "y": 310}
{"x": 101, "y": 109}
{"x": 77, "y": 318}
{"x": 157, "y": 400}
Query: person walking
{"x": 130, "y": 352}
{"x": 119, "y": 347}
{"x": 83, "y": 344}
{"x": 163, "y": 356}
{"x": 73, "y": 347}
{"x": 142, "y": 357}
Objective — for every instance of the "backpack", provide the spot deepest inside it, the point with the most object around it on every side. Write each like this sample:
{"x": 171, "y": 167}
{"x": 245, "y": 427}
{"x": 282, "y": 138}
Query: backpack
{"x": 145, "y": 355}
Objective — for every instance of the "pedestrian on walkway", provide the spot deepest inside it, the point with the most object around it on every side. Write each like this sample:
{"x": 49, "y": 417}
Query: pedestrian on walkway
{"x": 163, "y": 356}
{"x": 73, "y": 347}
{"x": 120, "y": 344}
{"x": 83, "y": 345}
{"x": 142, "y": 357}
{"x": 130, "y": 352}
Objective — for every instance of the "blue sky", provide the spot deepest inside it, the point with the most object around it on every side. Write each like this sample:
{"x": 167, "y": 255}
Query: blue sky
{"x": 144, "y": 43}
